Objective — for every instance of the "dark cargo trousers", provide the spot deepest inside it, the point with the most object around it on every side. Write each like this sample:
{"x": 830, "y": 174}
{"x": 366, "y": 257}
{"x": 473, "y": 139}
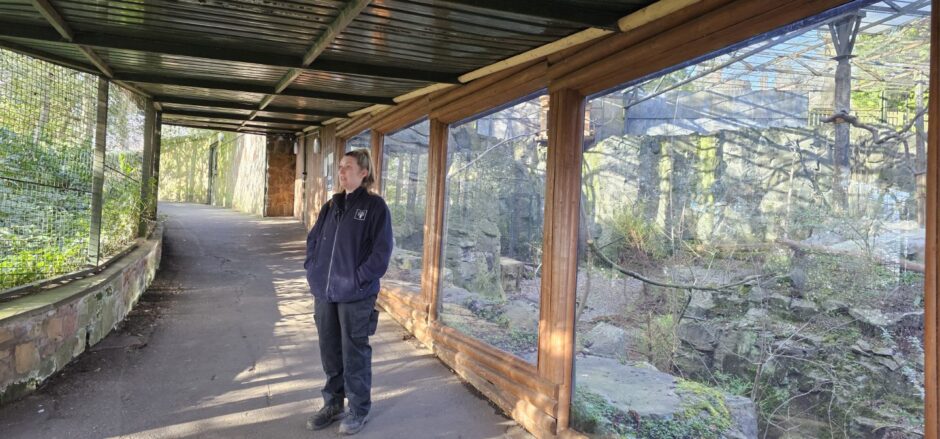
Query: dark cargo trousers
{"x": 344, "y": 330}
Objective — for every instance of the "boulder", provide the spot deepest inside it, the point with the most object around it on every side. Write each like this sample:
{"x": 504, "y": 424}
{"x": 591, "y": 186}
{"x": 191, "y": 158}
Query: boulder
{"x": 701, "y": 304}
{"x": 698, "y": 335}
{"x": 522, "y": 316}
{"x": 874, "y": 320}
{"x": 607, "y": 340}
{"x": 803, "y": 309}
{"x": 619, "y": 400}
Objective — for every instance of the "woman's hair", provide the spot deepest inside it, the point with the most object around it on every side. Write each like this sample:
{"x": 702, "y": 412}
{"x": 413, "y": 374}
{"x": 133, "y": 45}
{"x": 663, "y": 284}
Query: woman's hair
{"x": 364, "y": 160}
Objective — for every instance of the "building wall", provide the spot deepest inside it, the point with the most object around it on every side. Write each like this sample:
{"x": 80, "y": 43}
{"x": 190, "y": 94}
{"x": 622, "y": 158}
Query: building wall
{"x": 281, "y": 174}
{"x": 238, "y": 179}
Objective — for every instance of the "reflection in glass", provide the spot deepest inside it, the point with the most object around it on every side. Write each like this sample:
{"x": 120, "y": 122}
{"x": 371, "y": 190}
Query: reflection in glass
{"x": 362, "y": 140}
{"x": 493, "y": 226}
{"x": 404, "y": 185}
{"x": 754, "y": 241}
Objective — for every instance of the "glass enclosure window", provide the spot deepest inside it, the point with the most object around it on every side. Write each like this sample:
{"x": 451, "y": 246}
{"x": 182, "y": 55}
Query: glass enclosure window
{"x": 404, "y": 185}
{"x": 493, "y": 226}
{"x": 362, "y": 140}
{"x": 753, "y": 231}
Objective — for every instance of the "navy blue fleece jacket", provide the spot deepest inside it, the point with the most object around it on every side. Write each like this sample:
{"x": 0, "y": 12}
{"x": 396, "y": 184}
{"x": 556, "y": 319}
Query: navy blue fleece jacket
{"x": 349, "y": 247}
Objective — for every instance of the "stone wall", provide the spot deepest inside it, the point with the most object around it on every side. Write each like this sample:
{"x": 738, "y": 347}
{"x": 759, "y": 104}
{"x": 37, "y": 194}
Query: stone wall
{"x": 281, "y": 168}
{"x": 238, "y": 179}
{"x": 184, "y": 167}
{"x": 42, "y": 332}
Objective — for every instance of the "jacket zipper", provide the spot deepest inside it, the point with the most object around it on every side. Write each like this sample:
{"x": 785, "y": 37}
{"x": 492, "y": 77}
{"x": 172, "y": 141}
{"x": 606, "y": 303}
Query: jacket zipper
{"x": 329, "y": 270}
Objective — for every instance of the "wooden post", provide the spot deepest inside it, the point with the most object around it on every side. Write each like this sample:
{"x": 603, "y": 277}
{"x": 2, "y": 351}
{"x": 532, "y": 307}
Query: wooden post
{"x": 97, "y": 182}
{"x": 931, "y": 406}
{"x": 377, "y": 139}
{"x": 146, "y": 170}
{"x": 560, "y": 248}
{"x": 432, "y": 261}
{"x": 155, "y": 176}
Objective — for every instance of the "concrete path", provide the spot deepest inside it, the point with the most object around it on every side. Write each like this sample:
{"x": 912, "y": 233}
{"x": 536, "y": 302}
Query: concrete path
{"x": 223, "y": 345}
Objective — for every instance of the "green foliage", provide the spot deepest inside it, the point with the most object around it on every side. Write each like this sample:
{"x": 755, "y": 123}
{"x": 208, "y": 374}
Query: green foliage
{"x": 703, "y": 415}
{"x": 47, "y": 129}
{"x": 638, "y": 234}
{"x": 660, "y": 341}
{"x": 591, "y": 413}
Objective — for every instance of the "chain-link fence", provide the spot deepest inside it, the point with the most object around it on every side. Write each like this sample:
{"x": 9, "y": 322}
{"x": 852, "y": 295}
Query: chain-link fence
{"x": 48, "y": 118}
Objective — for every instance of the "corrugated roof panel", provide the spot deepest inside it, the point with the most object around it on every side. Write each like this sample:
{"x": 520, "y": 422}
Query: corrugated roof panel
{"x": 316, "y": 104}
{"x": 288, "y": 27}
{"x": 20, "y": 11}
{"x": 131, "y": 61}
{"x": 297, "y": 117}
{"x": 169, "y": 108}
{"x": 355, "y": 84}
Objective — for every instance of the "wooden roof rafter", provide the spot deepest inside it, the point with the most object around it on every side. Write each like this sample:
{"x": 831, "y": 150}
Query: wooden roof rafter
{"x": 161, "y": 45}
{"x": 55, "y": 19}
{"x": 343, "y": 19}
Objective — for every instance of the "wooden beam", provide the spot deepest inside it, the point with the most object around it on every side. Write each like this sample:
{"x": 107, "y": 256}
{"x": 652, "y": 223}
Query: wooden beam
{"x": 225, "y": 127}
{"x": 97, "y": 61}
{"x": 343, "y": 19}
{"x": 146, "y": 169}
{"x": 652, "y": 13}
{"x": 62, "y": 27}
{"x": 196, "y": 48}
{"x": 235, "y": 116}
{"x": 932, "y": 261}
{"x": 548, "y": 9}
{"x": 52, "y": 16}
{"x": 378, "y": 140}
{"x": 48, "y": 57}
{"x": 97, "y": 182}
{"x": 432, "y": 259}
{"x": 727, "y": 25}
{"x": 560, "y": 245}
{"x": 242, "y": 106}
{"x": 537, "y": 53}
{"x": 247, "y": 88}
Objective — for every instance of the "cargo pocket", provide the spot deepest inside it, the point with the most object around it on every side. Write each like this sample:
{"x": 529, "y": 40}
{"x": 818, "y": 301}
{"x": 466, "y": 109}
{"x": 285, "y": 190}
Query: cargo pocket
{"x": 373, "y": 322}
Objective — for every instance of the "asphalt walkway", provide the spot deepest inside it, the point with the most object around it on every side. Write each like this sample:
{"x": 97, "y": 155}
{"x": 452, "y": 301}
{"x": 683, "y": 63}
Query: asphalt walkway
{"x": 223, "y": 345}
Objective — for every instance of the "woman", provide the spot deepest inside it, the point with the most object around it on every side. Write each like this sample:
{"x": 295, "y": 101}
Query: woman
{"x": 348, "y": 250}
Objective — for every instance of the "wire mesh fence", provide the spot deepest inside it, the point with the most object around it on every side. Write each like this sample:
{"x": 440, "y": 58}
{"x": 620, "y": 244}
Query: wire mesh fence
{"x": 122, "y": 171}
{"x": 48, "y": 117}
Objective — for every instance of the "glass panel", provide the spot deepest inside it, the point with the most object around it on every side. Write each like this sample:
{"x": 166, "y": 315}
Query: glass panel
{"x": 756, "y": 230}
{"x": 493, "y": 226}
{"x": 404, "y": 185}
{"x": 362, "y": 140}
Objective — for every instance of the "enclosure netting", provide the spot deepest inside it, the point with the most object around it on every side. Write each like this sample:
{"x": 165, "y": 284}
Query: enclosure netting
{"x": 48, "y": 118}
{"x": 122, "y": 170}
{"x": 47, "y": 130}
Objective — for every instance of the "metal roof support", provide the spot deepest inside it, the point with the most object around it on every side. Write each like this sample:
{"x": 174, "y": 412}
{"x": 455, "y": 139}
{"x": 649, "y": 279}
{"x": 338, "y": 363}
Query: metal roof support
{"x": 153, "y": 44}
{"x": 345, "y": 16}
{"x": 231, "y": 116}
{"x": 62, "y": 27}
{"x": 248, "y": 88}
{"x": 567, "y": 12}
{"x": 241, "y": 106}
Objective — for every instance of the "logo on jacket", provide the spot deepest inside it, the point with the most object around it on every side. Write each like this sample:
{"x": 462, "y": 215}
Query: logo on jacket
{"x": 361, "y": 214}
